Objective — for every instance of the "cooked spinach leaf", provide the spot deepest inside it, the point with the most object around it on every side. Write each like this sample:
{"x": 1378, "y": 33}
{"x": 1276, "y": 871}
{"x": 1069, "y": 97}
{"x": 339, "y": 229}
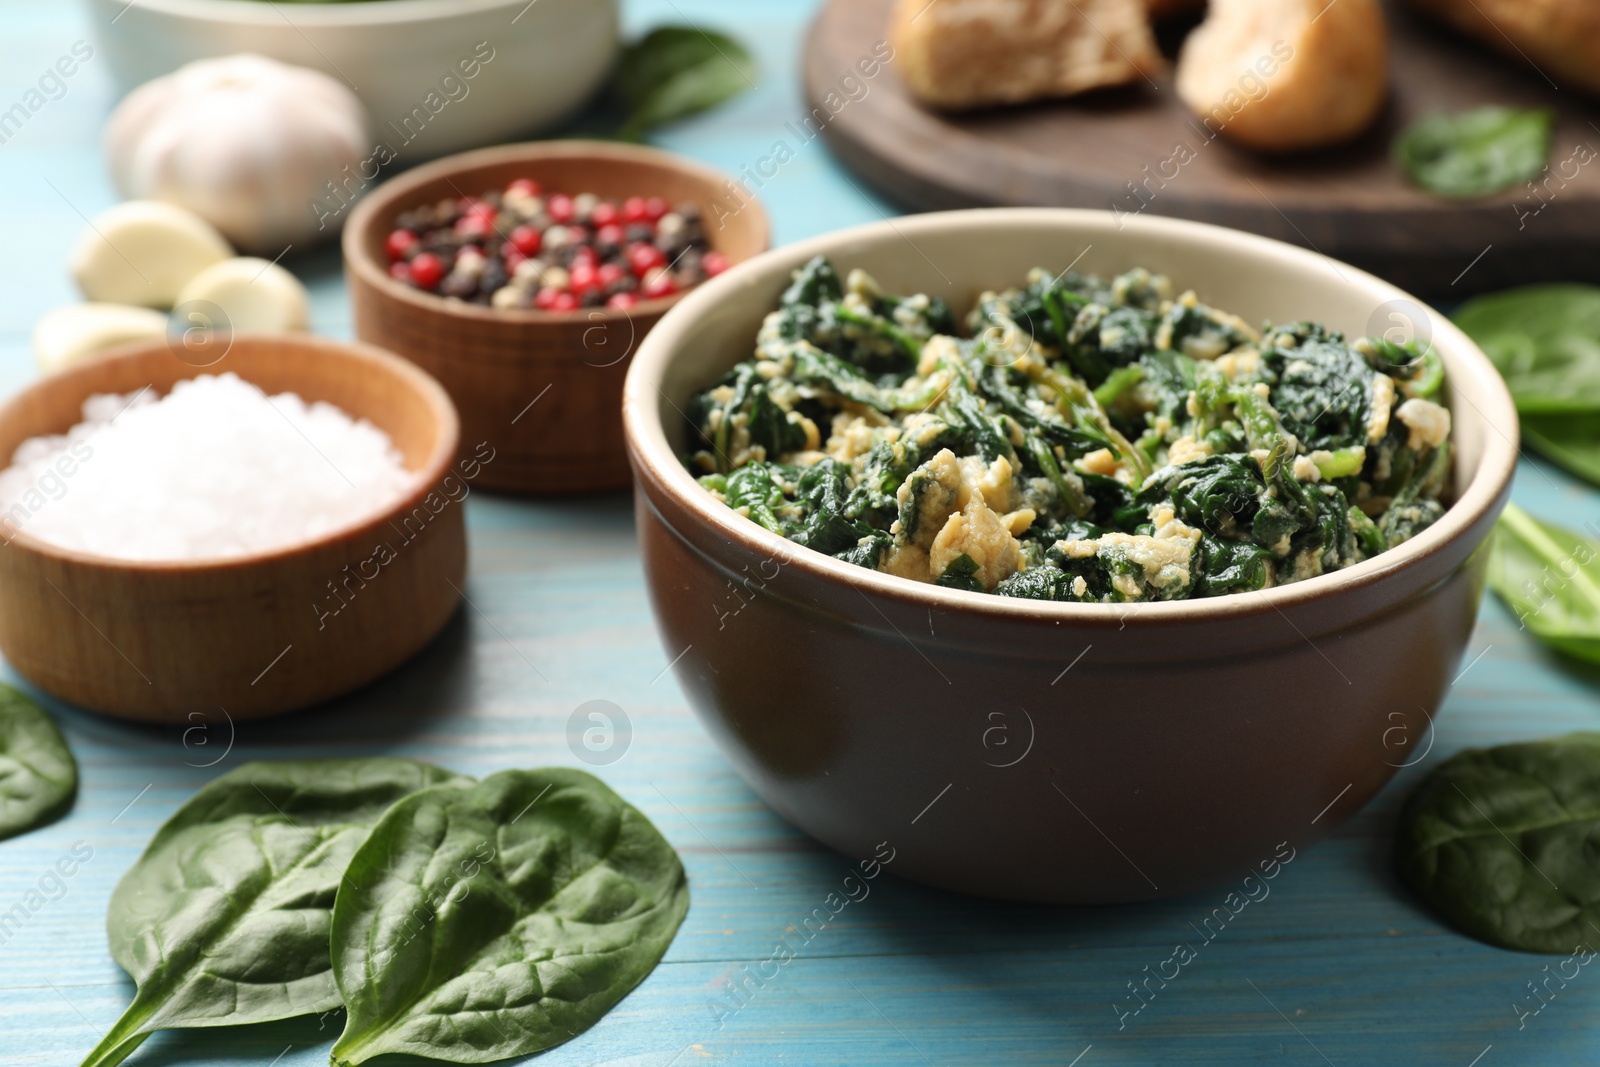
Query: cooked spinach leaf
{"x": 225, "y": 918}
{"x": 1501, "y": 842}
{"x": 677, "y": 71}
{"x": 1323, "y": 387}
{"x": 38, "y": 776}
{"x": 1476, "y": 153}
{"x": 1550, "y": 579}
{"x": 477, "y": 924}
{"x": 1545, "y": 341}
{"x": 1078, "y": 438}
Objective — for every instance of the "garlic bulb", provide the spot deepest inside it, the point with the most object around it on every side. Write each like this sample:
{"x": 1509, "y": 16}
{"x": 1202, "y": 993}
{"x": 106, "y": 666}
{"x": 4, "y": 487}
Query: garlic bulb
{"x": 243, "y": 141}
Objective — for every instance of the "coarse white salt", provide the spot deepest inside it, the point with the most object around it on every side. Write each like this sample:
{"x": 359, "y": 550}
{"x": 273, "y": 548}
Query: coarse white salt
{"x": 213, "y": 470}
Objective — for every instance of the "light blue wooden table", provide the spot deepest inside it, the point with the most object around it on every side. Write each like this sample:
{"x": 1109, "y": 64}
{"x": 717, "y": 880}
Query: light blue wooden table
{"x": 1338, "y": 965}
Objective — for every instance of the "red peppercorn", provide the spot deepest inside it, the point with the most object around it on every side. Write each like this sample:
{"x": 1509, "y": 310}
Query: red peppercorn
{"x": 523, "y": 187}
{"x": 564, "y": 302}
{"x": 400, "y": 271}
{"x": 605, "y": 213}
{"x": 611, "y": 236}
{"x": 527, "y": 240}
{"x": 426, "y": 270}
{"x": 714, "y": 263}
{"x": 560, "y": 208}
{"x": 582, "y": 277}
{"x": 545, "y": 298}
{"x": 654, "y": 208}
{"x": 644, "y": 258}
{"x": 611, "y": 273}
{"x": 577, "y": 235}
{"x": 622, "y": 301}
{"x": 472, "y": 228}
{"x": 512, "y": 256}
{"x": 634, "y": 210}
{"x": 584, "y": 257}
{"x": 399, "y": 242}
{"x": 660, "y": 285}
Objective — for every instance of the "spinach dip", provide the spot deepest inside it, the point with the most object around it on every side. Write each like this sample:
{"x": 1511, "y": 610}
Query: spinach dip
{"x": 1078, "y": 440}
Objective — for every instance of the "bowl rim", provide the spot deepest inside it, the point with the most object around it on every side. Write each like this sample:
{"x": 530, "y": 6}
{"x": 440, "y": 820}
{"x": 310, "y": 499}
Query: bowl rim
{"x": 657, "y": 464}
{"x": 429, "y": 473}
{"x": 405, "y": 185}
{"x": 326, "y": 15}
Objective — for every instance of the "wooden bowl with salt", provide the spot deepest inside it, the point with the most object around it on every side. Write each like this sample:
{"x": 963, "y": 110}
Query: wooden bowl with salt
{"x": 542, "y": 388}
{"x": 250, "y": 635}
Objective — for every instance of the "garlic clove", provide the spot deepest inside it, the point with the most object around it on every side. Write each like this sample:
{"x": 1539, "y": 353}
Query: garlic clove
{"x": 254, "y": 295}
{"x": 77, "y": 333}
{"x": 143, "y": 252}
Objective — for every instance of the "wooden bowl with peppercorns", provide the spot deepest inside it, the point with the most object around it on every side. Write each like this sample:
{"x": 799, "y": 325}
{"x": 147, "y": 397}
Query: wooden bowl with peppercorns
{"x": 523, "y": 277}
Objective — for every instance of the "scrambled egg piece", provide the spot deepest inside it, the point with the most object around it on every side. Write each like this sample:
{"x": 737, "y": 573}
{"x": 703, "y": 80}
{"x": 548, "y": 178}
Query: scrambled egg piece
{"x": 1100, "y": 461}
{"x": 927, "y": 497}
{"x": 951, "y": 507}
{"x": 1160, "y": 563}
{"x": 853, "y": 434}
{"x": 939, "y": 349}
{"x": 1428, "y": 422}
{"x": 1382, "y": 405}
{"x": 1240, "y": 364}
{"x": 978, "y": 532}
{"x": 1186, "y": 450}
{"x": 994, "y": 482}
{"x": 906, "y": 561}
{"x": 1307, "y": 564}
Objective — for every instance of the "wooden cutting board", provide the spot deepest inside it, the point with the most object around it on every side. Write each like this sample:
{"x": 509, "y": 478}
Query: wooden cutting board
{"x": 1139, "y": 150}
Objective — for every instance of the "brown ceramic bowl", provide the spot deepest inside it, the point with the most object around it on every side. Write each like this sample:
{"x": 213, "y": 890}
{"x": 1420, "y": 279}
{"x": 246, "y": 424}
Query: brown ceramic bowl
{"x": 1066, "y": 753}
{"x": 542, "y": 388}
{"x": 253, "y": 635}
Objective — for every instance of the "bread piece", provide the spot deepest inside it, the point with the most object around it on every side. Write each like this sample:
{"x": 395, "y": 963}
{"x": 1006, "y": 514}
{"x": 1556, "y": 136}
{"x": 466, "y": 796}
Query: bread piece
{"x": 972, "y": 53}
{"x": 1287, "y": 75}
{"x": 1561, "y": 38}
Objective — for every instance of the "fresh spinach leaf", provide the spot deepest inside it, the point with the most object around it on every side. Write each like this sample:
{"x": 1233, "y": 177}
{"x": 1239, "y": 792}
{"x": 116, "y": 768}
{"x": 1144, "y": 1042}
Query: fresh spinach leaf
{"x": 1572, "y": 441}
{"x": 1476, "y": 153}
{"x": 1545, "y": 341}
{"x": 1550, "y": 579}
{"x": 38, "y": 776}
{"x": 477, "y": 924}
{"x": 1500, "y": 842}
{"x": 677, "y": 71}
{"x": 224, "y": 919}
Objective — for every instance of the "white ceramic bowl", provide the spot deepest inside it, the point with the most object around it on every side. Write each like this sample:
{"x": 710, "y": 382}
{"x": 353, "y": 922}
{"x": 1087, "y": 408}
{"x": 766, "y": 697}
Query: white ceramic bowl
{"x": 545, "y": 56}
